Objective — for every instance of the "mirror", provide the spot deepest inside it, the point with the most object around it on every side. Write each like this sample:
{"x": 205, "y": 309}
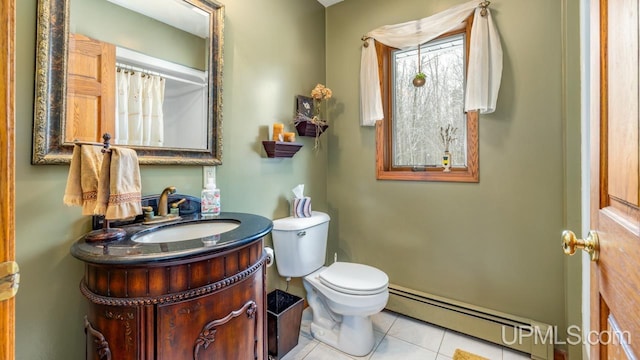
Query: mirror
{"x": 56, "y": 110}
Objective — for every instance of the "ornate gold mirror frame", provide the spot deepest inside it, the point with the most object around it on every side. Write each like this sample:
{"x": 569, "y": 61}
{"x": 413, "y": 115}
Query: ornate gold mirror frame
{"x": 49, "y": 146}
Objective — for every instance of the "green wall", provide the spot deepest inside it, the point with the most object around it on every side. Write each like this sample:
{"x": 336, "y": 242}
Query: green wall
{"x": 272, "y": 51}
{"x": 105, "y": 21}
{"x": 493, "y": 244}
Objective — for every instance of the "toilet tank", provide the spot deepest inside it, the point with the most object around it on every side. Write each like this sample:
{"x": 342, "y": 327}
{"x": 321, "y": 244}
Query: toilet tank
{"x": 300, "y": 244}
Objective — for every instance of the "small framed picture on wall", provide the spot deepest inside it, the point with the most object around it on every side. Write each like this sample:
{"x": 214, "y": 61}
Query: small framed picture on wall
{"x": 304, "y": 105}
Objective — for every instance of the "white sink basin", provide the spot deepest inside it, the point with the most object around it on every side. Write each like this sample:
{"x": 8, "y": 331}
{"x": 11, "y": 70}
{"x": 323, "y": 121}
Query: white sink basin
{"x": 186, "y": 232}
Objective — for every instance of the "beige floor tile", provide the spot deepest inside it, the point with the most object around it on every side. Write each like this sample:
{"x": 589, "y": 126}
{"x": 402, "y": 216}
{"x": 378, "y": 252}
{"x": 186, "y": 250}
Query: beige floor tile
{"x": 417, "y": 332}
{"x": 304, "y": 347}
{"x": 326, "y": 352}
{"x": 394, "y": 349}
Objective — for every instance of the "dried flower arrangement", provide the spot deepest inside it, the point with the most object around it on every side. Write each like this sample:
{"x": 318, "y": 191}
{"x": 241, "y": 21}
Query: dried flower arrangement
{"x": 318, "y": 94}
{"x": 447, "y": 135}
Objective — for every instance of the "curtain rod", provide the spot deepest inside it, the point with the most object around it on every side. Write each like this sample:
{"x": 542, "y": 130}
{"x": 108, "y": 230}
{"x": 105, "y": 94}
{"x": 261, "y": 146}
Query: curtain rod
{"x": 483, "y": 12}
{"x": 133, "y": 69}
{"x": 164, "y": 76}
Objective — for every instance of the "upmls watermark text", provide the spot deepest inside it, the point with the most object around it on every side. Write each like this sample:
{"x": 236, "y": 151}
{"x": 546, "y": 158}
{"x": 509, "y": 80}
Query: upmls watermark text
{"x": 575, "y": 336}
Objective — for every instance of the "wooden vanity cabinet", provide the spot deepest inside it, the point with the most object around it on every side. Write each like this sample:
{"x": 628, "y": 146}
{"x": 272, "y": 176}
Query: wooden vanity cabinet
{"x": 210, "y": 306}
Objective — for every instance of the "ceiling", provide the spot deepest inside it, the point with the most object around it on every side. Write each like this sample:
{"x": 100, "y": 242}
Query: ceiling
{"x": 328, "y": 3}
{"x": 176, "y": 13}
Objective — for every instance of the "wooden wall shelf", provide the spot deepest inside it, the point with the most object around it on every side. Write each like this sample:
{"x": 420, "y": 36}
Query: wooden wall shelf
{"x": 307, "y": 128}
{"x": 280, "y": 149}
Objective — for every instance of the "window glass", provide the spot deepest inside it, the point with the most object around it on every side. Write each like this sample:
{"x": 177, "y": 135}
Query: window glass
{"x": 420, "y": 114}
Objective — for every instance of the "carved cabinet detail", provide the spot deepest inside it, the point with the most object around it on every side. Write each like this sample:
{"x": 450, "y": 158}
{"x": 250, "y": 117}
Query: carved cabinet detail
{"x": 210, "y": 306}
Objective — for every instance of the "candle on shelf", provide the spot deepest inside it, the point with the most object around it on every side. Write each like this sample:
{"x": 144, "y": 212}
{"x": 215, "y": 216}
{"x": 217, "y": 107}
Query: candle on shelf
{"x": 278, "y": 132}
{"x": 290, "y": 137}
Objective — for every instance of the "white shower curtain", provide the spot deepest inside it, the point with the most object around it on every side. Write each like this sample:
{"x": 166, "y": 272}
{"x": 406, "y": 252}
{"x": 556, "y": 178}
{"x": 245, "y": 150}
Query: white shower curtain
{"x": 122, "y": 107}
{"x": 139, "y": 118}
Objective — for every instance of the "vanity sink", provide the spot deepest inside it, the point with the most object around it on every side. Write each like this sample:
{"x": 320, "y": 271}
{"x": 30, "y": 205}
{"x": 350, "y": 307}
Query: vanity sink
{"x": 160, "y": 289}
{"x": 189, "y": 231}
{"x": 190, "y": 235}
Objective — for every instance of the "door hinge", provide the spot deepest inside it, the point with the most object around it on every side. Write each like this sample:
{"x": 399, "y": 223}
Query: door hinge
{"x": 9, "y": 279}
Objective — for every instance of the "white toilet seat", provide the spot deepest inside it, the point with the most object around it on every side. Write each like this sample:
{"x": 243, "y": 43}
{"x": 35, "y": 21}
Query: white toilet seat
{"x": 344, "y": 303}
{"x": 354, "y": 279}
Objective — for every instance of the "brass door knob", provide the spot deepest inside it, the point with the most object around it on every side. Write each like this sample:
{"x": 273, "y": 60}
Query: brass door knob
{"x": 9, "y": 279}
{"x": 591, "y": 244}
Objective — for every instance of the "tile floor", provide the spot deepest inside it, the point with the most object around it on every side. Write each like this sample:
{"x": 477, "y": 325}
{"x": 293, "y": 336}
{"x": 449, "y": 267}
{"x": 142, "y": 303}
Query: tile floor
{"x": 400, "y": 337}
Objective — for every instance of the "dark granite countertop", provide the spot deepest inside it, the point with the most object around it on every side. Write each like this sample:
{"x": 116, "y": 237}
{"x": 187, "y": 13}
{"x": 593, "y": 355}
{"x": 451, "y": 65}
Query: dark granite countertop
{"x": 127, "y": 251}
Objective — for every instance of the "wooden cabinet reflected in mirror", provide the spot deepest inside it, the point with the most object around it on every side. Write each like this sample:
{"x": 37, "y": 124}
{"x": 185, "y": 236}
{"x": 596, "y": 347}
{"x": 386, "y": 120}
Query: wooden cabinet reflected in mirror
{"x": 83, "y": 46}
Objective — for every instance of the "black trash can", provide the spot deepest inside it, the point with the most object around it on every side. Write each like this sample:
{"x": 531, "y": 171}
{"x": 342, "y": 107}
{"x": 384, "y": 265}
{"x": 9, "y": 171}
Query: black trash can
{"x": 284, "y": 314}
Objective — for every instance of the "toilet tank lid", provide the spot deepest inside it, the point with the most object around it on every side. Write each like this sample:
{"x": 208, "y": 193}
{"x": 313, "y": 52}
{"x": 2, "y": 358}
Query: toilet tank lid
{"x": 293, "y": 223}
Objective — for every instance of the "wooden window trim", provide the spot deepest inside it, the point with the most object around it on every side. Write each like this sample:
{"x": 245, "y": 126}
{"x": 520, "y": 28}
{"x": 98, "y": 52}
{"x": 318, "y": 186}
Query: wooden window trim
{"x": 384, "y": 171}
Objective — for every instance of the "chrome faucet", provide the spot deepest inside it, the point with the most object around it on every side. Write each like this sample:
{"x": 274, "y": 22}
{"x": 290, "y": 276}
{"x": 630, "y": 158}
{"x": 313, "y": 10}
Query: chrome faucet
{"x": 162, "y": 201}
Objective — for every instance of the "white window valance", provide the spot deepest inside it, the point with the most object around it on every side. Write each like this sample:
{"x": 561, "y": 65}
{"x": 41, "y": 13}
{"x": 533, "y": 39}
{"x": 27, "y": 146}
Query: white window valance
{"x": 485, "y": 57}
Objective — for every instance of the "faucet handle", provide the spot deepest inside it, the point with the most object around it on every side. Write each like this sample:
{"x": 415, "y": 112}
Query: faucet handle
{"x": 175, "y": 210}
{"x": 148, "y": 213}
{"x": 177, "y": 203}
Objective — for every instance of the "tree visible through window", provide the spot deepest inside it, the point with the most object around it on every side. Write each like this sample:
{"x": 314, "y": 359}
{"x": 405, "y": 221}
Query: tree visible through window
{"x": 420, "y": 113}
{"x": 410, "y": 137}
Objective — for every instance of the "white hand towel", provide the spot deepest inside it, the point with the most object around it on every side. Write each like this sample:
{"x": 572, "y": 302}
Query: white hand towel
{"x": 82, "y": 182}
{"x": 119, "y": 189}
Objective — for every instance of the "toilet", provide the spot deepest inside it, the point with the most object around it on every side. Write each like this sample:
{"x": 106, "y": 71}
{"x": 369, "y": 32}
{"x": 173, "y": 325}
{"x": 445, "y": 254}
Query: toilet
{"x": 342, "y": 296}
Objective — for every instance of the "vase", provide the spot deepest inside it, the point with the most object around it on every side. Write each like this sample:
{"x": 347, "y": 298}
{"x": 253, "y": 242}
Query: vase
{"x": 446, "y": 161}
{"x": 419, "y": 81}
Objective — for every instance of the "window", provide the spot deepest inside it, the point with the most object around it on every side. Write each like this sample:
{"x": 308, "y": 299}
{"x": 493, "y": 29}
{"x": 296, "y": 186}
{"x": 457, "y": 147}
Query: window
{"x": 409, "y": 142}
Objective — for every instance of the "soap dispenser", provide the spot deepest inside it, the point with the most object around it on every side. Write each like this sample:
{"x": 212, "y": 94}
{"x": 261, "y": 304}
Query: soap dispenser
{"x": 210, "y": 200}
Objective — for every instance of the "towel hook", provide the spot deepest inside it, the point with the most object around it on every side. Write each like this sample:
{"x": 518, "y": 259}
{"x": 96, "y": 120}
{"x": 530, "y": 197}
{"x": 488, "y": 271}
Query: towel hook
{"x": 106, "y": 137}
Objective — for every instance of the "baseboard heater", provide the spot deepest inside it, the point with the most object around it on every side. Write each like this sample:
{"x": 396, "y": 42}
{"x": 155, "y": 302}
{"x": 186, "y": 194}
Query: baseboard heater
{"x": 506, "y": 330}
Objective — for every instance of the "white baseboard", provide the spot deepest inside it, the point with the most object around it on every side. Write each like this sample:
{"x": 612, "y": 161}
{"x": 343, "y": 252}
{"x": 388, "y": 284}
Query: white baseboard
{"x": 506, "y": 330}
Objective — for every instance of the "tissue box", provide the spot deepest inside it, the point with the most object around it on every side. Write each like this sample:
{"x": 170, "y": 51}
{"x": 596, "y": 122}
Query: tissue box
{"x": 301, "y": 207}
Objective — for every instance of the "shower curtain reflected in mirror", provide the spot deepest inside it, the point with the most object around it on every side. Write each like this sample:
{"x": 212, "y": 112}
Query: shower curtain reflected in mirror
{"x": 139, "y": 116}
